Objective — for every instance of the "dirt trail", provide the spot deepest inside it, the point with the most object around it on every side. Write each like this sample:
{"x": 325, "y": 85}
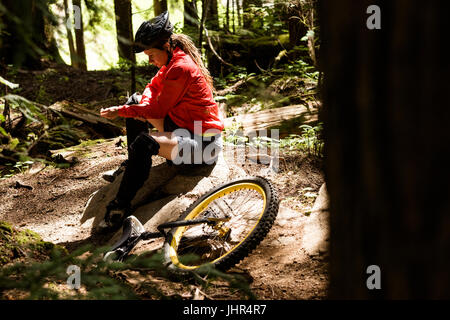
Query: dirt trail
{"x": 279, "y": 268}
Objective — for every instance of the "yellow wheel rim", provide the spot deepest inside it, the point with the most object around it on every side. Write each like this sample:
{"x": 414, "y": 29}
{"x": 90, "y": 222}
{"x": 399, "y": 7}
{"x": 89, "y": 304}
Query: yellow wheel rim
{"x": 200, "y": 208}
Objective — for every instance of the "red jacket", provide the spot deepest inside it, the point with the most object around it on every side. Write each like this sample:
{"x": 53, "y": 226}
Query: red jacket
{"x": 180, "y": 91}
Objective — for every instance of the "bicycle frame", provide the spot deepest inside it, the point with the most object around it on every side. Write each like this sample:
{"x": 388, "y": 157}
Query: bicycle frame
{"x": 132, "y": 234}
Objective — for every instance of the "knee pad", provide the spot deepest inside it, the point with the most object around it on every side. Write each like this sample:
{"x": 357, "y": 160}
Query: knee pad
{"x": 145, "y": 144}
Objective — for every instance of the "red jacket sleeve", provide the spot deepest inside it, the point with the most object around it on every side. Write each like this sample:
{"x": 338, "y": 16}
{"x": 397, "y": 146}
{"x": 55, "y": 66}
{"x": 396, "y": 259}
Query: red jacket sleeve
{"x": 151, "y": 90}
{"x": 173, "y": 87}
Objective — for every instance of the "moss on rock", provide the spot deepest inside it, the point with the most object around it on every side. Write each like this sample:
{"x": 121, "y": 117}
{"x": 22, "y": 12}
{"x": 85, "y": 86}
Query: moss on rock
{"x": 21, "y": 245}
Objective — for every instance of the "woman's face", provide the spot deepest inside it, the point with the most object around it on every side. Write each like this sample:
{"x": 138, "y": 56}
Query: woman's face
{"x": 157, "y": 57}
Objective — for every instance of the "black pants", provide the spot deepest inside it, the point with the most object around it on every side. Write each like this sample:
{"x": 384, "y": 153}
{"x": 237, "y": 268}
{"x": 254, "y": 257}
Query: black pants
{"x": 134, "y": 127}
{"x": 141, "y": 148}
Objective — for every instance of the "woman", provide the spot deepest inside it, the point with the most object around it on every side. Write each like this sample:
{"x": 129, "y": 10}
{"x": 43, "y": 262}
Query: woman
{"x": 178, "y": 102}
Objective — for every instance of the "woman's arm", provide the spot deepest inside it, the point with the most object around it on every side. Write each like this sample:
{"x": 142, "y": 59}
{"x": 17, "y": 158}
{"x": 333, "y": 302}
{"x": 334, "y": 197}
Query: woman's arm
{"x": 151, "y": 90}
{"x": 109, "y": 113}
{"x": 173, "y": 88}
{"x": 113, "y": 112}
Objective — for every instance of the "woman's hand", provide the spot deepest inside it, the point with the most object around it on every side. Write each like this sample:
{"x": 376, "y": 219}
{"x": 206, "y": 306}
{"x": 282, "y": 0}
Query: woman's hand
{"x": 109, "y": 113}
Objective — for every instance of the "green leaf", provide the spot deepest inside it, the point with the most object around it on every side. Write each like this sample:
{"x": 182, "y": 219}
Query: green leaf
{"x": 9, "y": 84}
{"x": 13, "y": 143}
{"x": 27, "y": 107}
{"x": 220, "y": 98}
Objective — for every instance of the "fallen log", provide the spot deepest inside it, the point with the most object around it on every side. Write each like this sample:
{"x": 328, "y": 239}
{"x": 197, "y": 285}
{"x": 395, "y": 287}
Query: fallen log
{"x": 92, "y": 119}
{"x": 270, "y": 118}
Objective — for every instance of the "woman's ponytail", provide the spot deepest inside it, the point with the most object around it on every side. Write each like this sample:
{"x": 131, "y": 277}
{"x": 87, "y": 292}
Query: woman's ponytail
{"x": 185, "y": 43}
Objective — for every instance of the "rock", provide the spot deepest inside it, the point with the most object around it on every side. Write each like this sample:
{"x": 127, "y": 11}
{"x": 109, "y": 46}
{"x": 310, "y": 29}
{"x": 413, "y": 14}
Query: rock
{"x": 165, "y": 195}
{"x": 288, "y": 217}
{"x": 161, "y": 211}
{"x": 19, "y": 185}
{"x": 36, "y": 167}
{"x": 316, "y": 229}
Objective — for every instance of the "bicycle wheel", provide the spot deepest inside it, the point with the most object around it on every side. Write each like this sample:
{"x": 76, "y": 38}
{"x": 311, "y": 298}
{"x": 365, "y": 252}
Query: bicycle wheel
{"x": 244, "y": 210}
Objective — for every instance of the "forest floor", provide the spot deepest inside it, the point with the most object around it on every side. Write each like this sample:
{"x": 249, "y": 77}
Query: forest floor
{"x": 50, "y": 201}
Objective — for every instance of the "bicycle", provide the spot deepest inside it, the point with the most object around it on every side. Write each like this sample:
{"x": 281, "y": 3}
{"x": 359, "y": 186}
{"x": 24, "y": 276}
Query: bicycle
{"x": 220, "y": 228}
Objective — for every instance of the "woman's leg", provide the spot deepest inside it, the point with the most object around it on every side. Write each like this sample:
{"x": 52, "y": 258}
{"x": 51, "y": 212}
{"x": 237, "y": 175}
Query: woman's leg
{"x": 157, "y": 123}
{"x": 134, "y": 129}
{"x": 137, "y": 171}
{"x": 138, "y": 168}
{"x": 168, "y": 144}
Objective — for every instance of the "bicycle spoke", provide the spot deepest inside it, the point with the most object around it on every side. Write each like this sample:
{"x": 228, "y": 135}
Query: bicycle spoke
{"x": 243, "y": 207}
{"x": 237, "y": 216}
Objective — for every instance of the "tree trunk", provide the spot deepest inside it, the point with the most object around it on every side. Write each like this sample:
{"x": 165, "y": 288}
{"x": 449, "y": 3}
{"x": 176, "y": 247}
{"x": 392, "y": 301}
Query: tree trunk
{"x": 296, "y": 29}
{"x": 238, "y": 11}
{"x": 385, "y": 114}
{"x": 73, "y": 60}
{"x": 247, "y": 15}
{"x": 212, "y": 16}
{"x": 27, "y": 35}
{"x": 233, "y": 3}
{"x": 50, "y": 45}
{"x": 79, "y": 39}
{"x": 122, "y": 9}
{"x": 227, "y": 16}
{"x": 159, "y": 6}
{"x": 205, "y": 9}
{"x": 247, "y": 22}
{"x": 190, "y": 13}
{"x": 124, "y": 29}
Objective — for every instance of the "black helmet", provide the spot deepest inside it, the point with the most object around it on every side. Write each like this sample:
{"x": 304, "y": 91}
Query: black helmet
{"x": 153, "y": 32}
